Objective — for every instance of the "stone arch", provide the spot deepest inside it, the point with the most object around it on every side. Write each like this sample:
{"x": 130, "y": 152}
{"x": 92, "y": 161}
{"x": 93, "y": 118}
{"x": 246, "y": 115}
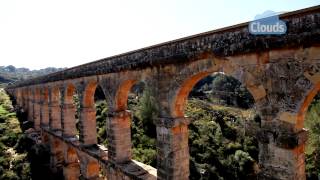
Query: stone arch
{"x": 119, "y": 124}
{"x": 88, "y": 96}
{"x": 45, "y": 93}
{"x": 87, "y": 118}
{"x": 69, "y": 92}
{"x": 72, "y": 155}
{"x": 71, "y": 169}
{"x": 201, "y": 71}
{"x": 122, "y": 94}
{"x": 54, "y": 94}
{"x": 92, "y": 169}
{"x": 176, "y": 125}
{"x": 183, "y": 92}
{"x": 131, "y": 92}
{"x": 89, "y": 93}
{"x": 305, "y": 104}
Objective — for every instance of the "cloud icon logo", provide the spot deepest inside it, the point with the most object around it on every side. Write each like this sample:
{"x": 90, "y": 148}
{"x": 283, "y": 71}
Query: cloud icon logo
{"x": 267, "y": 23}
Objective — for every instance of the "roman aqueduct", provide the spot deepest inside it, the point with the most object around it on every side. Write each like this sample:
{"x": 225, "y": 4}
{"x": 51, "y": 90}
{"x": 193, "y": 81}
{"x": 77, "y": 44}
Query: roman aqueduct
{"x": 282, "y": 72}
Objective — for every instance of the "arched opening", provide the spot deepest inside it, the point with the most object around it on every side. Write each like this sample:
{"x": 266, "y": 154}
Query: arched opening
{"x": 221, "y": 133}
{"x": 71, "y": 170}
{"x": 309, "y": 118}
{"x": 142, "y": 105}
{"x": 94, "y": 99}
{"x": 92, "y": 104}
{"x": 137, "y": 97}
{"x": 101, "y": 115}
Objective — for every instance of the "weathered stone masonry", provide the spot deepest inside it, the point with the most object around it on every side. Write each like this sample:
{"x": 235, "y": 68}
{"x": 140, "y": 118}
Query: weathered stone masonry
{"x": 281, "y": 72}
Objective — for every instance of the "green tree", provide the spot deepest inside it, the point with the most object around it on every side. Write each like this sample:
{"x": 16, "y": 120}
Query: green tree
{"x": 147, "y": 112}
{"x": 143, "y": 129}
{"x": 217, "y": 148}
{"x": 231, "y": 91}
{"x": 312, "y": 123}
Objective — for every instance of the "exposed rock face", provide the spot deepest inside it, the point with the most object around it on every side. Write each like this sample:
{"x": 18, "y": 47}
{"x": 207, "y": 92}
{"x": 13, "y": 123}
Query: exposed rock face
{"x": 281, "y": 73}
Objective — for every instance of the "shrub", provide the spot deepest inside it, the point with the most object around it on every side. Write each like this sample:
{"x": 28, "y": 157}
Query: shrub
{"x": 9, "y": 175}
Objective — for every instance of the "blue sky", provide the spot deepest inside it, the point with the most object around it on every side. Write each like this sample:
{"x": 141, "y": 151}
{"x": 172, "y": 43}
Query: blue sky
{"x": 65, "y": 33}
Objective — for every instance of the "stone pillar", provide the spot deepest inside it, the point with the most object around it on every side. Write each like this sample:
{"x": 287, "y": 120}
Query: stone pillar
{"x": 54, "y": 112}
{"x": 88, "y": 129}
{"x": 56, "y": 155}
{"x": 281, "y": 155}
{"x": 18, "y": 100}
{"x": 172, "y": 148}
{"x": 71, "y": 168}
{"x": 68, "y": 120}
{"x": 87, "y": 116}
{"x": 24, "y": 101}
{"x": 55, "y": 117}
{"x": 119, "y": 136}
{"x": 26, "y": 105}
{"x": 30, "y": 110}
{"x": 36, "y": 115}
{"x": 44, "y": 109}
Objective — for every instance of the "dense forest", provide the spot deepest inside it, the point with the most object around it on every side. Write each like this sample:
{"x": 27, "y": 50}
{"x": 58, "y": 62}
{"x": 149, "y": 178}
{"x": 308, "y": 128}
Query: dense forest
{"x": 221, "y": 145}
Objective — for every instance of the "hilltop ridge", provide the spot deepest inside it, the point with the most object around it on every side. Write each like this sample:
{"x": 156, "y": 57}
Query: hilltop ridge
{"x": 10, "y": 74}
